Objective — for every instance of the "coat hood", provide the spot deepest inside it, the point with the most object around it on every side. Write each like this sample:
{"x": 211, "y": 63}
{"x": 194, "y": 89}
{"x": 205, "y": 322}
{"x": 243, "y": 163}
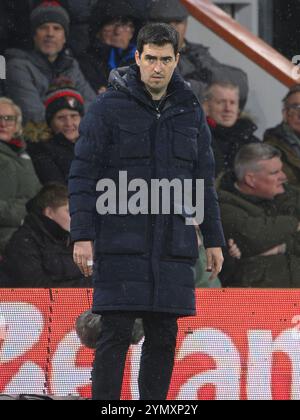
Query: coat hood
{"x": 244, "y": 129}
{"x": 118, "y": 79}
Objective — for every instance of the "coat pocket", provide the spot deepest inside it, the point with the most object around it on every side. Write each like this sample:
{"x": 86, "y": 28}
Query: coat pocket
{"x": 182, "y": 240}
{"x": 185, "y": 145}
{"x": 134, "y": 142}
{"x": 123, "y": 235}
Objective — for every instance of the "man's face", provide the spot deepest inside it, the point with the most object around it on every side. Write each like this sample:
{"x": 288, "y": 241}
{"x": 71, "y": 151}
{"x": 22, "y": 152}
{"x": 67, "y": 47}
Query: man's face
{"x": 223, "y": 105}
{"x": 67, "y": 122}
{"x": 8, "y": 122}
{"x": 181, "y": 28}
{"x": 269, "y": 181}
{"x": 291, "y": 114}
{"x": 50, "y": 39}
{"x": 157, "y": 65}
{"x": 60, "y": 215}
{"x": 117, "y": 33}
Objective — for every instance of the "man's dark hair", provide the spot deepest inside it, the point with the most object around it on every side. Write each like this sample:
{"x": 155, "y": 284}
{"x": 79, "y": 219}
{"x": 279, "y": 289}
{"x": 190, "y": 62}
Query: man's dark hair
{"x": 158, "y": 34}
{"x": 52, "y": 195}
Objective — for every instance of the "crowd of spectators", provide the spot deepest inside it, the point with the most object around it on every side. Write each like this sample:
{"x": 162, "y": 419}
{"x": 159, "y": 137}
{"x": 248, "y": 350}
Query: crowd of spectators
{"x": 60, "y": 55}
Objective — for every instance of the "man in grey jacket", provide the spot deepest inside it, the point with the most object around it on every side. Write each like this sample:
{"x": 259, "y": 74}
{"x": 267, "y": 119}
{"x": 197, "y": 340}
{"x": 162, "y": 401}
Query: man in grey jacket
{"x": 30, "y": 73}
{"x": 197, "y": 65}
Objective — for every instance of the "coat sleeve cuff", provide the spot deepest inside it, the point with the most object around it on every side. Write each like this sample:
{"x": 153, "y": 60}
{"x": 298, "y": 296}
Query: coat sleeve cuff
{"x": 213, "y": 238}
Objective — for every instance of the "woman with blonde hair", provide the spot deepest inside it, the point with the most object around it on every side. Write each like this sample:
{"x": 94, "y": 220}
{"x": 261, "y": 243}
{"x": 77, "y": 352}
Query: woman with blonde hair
{"x": 19, "y": 182}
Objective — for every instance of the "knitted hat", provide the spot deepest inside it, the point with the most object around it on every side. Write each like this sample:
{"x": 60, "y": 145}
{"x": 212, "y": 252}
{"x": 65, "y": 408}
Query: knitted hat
{"x": 168, "y": 11}
{"x": 50, "y": 11}
{"x": 63, "y": 95}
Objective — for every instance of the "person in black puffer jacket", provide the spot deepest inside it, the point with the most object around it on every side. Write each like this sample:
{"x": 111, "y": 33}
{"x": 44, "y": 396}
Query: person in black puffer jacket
{"x": 39, "y": 255}
{"x": 150, "y": 125}
{"x": 64, "y": 110}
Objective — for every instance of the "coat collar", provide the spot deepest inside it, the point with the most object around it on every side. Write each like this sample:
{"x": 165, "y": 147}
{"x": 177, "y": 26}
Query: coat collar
{"x": 47, "y": 227}
{"x": 62, "y": 63}
{"x": 13, "y": 149}
{"x": 128, "y": 80}
{"x": 61, "y": 140}
{"x": 242, "y": 129}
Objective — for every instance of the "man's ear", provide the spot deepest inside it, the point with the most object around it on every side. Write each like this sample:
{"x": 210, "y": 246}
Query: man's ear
{"x": 250, "y": 179}
{"x": 284, "y": 114}
{"x": 177, "y": 59}
{"x": 137, "y": 58}
{"x": 47, "y": 212}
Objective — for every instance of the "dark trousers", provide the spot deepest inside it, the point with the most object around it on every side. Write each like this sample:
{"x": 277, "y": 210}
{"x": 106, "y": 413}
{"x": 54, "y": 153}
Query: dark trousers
{"x": 157, "y": 359}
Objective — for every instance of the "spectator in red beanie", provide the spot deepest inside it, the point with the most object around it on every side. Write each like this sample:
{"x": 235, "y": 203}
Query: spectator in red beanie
{"x": 64, "y": 110}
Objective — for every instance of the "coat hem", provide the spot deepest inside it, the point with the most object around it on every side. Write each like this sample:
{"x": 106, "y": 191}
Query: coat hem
{"x": 180, "y": 312}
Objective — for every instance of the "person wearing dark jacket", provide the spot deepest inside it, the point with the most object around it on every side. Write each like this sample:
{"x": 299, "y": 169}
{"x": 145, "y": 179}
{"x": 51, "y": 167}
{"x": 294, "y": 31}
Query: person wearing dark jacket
{"x": 229, "y": 130}
{"x": 52, "y": 159}
{"x": 114, "y": 26}
{"x": 149, "y": 124}
{"x": 197, "y": 65}
{"x": 31, "y": 73}
{"x": 261, "y": 213}
{"x": 15, "y": 23}
{"x": 39, "y": 255}
{"x": 286, "y": 136}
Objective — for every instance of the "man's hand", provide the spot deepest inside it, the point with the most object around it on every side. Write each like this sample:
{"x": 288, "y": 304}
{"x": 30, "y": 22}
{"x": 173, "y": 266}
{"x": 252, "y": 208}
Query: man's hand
{"x": 101, "y": 90}
{"x": 277, "y": 250}
{"x": 234, "y": 250}
{"x": 215, "y": 262}
{"x": 84, "y": 257}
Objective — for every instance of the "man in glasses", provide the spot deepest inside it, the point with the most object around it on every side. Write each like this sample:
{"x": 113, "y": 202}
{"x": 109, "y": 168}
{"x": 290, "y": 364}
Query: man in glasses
{"x": 20, "y": 182}
{"x": 286, "y": 136}
{"x": 113, "y": 30}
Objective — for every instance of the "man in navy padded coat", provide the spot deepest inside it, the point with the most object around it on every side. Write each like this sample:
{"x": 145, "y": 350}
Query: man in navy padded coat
{"x": 149, "y": 124}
